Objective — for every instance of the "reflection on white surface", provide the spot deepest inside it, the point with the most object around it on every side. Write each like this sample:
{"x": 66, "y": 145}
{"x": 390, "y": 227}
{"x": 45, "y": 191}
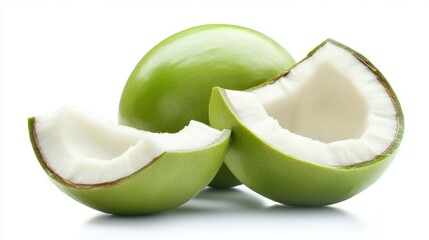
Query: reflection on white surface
{"x": 226, "y": 213}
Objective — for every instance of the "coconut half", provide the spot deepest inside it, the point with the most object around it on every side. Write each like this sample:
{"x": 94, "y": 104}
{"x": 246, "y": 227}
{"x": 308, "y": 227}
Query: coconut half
{"x": 329, "y": 126}
{"x": 121, "y": 170}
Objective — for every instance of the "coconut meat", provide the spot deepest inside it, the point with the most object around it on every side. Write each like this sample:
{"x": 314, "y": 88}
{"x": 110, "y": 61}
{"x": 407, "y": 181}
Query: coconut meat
{"x": 83, "y": 148}
{"x": 330, "y": 109}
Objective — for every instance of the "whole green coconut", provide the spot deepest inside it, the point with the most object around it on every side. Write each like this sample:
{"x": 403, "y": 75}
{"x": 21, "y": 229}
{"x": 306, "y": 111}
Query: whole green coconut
{"x": 172, "y": 83}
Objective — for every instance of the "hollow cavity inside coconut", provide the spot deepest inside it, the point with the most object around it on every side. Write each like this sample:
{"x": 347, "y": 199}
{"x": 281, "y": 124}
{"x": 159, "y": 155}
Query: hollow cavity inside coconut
{"x": 330, "y": 109}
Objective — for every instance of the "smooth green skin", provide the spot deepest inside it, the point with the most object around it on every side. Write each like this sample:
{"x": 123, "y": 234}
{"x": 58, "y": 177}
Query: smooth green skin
{"x": 171, "y": 84}
{"x": 169, "y": 181}
{"x": 288, "y": 180}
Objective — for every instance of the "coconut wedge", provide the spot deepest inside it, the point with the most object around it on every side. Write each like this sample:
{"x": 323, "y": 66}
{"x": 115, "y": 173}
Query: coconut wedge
{"x": 315, "y": 135}
{"x": 121, "y": 170}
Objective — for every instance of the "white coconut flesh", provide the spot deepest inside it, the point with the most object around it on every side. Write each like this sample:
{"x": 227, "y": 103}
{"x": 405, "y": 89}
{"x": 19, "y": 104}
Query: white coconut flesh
{"x": 330, "y": 110}
{"x": 83, "y": 148}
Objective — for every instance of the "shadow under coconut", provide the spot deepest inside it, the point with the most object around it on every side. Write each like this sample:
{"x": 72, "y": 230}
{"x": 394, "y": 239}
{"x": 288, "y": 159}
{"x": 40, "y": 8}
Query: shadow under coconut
{"x": 221, "y": 201}
{"x": 210, "y": 201}
{"x": 221, "y": 208}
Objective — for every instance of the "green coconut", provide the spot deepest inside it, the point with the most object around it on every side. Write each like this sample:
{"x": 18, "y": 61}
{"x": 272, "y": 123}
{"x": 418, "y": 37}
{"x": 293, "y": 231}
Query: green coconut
{"x": 319, "y": 133}
{"x": 171, "y": 84}
{"x": 120, "y": 170}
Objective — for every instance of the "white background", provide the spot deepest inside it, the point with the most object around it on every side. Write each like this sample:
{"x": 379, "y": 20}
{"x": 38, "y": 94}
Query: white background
{"x": 82, "y": 52}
